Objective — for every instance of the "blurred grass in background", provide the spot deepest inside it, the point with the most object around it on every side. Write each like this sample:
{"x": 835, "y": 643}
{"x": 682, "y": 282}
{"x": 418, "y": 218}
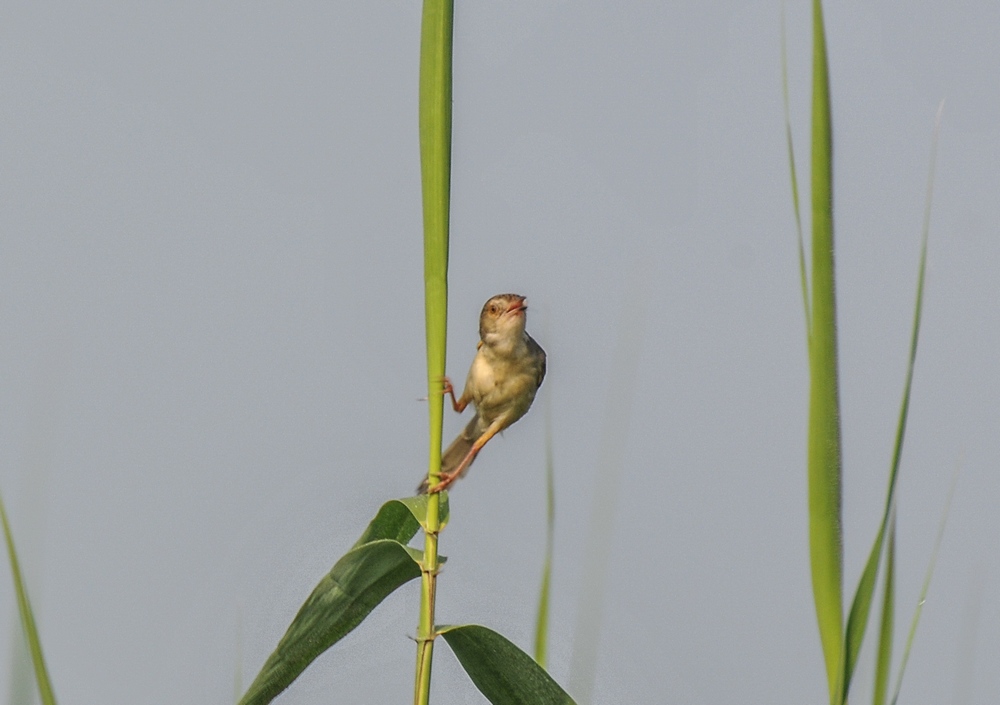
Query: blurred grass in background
{"x": 841, "y": 641}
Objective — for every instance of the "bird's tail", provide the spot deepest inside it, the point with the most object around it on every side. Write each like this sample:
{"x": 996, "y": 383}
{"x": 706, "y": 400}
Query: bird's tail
{"x": 458, "y": 449}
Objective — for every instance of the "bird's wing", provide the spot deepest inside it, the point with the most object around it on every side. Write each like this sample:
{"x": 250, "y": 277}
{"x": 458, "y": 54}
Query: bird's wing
{"x": 538, "y": 354}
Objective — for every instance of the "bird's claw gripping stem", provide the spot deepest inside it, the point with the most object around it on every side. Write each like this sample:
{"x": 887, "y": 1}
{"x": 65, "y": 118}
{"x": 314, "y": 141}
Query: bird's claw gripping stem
{"x": 448, "y": 388}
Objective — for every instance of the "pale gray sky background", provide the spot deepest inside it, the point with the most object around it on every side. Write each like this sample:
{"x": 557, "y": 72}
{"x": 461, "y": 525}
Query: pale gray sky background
{"x": 211, "y": 307}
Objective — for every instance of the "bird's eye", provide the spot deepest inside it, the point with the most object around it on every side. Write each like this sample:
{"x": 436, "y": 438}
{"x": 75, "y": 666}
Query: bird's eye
{"x": 494, "y": 309}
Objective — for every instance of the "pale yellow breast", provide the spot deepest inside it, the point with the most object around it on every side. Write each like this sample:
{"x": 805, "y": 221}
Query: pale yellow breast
{"x": 501, "y": 388}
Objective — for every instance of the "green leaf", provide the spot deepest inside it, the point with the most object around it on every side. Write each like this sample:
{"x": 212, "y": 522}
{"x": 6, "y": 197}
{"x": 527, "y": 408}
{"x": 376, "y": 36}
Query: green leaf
{"x": 419, "y": 506}
{"x": 21, "y": 686}
{"x": 857, "y": 621}
{"x": 375, "y": 566}
{"x": 825, "y": 533}
{"x": 883, "y": 659}
{"x": 794, "y": 176}
{"x": 394, "y": 521}
{"x": 359, "y": 581}
{"x": 916, "y": 328}
{"x": 400, "y": 519}
{"x": 502, "y": 672}
{"x": 27, "y": 616}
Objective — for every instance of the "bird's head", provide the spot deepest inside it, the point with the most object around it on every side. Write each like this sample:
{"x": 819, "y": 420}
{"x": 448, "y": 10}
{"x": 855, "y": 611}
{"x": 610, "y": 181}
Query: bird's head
{"x": 501, "y": 324}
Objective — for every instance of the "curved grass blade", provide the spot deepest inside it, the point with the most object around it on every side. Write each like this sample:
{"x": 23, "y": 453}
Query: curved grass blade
{"x": 883, "y": 660}
{"x": 21, "y": 687}
{"x": 858, "y": 619}
{"x": 394, "y": 521}
{"x": 542, "y": 622}
{"x": 824, "y": 472}
{"x": 925, "y": 587}
{"x": 375, "y": 566}
{"x": 794, "y": 177}
{"x": 502, "y": 672}
{"x": 400, "y": 519}
{"x": 27, "y": 616}
{"x": 419, "y": 507}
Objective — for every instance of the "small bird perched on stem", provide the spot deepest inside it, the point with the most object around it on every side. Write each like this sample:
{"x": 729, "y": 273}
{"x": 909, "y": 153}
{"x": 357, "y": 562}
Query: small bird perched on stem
{"x": 505, "y": 375}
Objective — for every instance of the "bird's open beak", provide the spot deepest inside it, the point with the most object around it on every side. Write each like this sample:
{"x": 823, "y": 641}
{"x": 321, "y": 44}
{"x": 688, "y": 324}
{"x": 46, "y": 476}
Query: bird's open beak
{"x": 518, "y": 305}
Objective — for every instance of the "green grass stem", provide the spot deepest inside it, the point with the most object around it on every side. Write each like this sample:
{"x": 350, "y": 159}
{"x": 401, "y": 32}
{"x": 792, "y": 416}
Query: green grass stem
{"x": 542, "y": 622}
{"x": 435, "y": 163}
{"x": 883, "y": 657}
{"x": 27, "y": 616}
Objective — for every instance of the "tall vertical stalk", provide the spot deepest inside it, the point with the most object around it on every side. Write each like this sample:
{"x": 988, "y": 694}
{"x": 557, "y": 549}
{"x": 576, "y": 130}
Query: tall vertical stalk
{"x": 435, "y": 163}
{"x": 544, "y": 592}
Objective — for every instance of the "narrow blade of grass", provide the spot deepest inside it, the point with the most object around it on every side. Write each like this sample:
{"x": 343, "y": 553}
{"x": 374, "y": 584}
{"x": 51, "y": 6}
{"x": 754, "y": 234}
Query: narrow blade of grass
{"x": 793, "y": 177}
{"x": 920, "y": 294}
{"x": 825, "y": 536}
{"x": 27, "y": 616}
{"x": 925, "y": 587}
{"x": 21, "y": 688}
{"x": 883, "y": 659}
{"x": 542, "y": 622}
{"x": 858, "y": 620}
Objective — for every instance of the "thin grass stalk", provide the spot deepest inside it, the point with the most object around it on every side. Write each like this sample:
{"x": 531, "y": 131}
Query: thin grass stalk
{"x": 917, "y": 316}
{"x": 825, "y": 535}
{"x": 951, "y": 491}
{"x": 27, "y": 616}
{"x": 21, "y": 687}
{"x": 883, "y": 660}
{"x": 542, "y": 622}
{"x": 435, "y": 163}
{"x": 794, "y": 178}
{"x": 858, "y": 617}
{"x": 925, "y": 587}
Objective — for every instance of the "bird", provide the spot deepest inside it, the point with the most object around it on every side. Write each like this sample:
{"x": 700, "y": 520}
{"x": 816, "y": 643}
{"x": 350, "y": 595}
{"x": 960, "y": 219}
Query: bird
{"x": 503, "y": 379}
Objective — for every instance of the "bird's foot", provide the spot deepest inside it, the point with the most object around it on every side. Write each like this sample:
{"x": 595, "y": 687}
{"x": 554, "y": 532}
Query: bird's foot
{"x": 446, "y": 479}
